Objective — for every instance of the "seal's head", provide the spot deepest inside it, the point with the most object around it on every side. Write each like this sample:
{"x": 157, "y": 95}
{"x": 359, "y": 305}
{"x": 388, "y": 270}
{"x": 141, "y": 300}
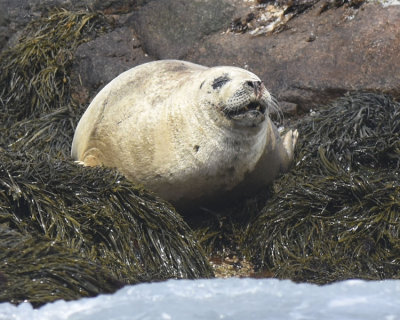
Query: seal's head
{"x": 237, "y": 94}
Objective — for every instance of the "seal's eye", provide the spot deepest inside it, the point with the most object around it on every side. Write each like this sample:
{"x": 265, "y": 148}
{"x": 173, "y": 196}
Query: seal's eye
{"x": 220, "y": 81}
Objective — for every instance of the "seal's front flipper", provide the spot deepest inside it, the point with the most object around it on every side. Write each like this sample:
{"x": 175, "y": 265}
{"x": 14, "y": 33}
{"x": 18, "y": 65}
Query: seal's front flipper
{"x": 92, "y": 157}
{"x": 289, "y": 143}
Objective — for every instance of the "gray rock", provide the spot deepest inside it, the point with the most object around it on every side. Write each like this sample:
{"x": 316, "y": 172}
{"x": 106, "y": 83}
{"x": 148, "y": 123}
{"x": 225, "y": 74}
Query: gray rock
{"x": 115, "y": 6}
{"x": 18, "y": 13}
{"x": 101, "y": 60}
{"x": 321, "y": 53}
{"x": 171, "y": 28}
{"x": 4, "y": 31}
{"x": 353, "y": 49}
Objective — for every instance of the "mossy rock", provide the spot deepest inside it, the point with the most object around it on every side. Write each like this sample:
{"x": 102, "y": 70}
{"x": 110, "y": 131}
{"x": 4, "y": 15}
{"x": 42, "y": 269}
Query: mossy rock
{"x": 336, "y": 214}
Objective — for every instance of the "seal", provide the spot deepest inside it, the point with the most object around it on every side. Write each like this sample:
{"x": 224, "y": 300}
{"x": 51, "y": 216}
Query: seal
{"x": 189, "y": 133}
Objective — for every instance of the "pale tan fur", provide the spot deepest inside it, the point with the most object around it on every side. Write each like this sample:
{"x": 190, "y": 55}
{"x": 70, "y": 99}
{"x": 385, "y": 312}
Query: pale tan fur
{"x": 162, "y": 126}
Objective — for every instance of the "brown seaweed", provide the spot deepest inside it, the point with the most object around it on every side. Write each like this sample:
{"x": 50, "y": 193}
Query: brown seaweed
{"x": 31, "y": 270}
{"x": 336, "y": 214}
{"x": 99, "y": 216}
{"x": 37, "y": 111}
{"x": 68, "y": 231}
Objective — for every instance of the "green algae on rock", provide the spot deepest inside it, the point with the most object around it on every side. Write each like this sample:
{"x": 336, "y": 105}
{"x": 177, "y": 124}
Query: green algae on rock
{"x": 336, "y": 214}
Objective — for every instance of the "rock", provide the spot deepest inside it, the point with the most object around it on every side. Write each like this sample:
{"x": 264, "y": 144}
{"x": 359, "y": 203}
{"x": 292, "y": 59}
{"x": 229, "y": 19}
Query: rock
{"x": 288, "y": 108}
{"x": 318, "y": 55}
{"x": 353, "y": 49}
{"x": 38, "y": 7}
{"x": 101, "y": 60}
{"x": 76, "y": 232}
{"x": 20, "y": 12}
{"x": 4, "y": 32}
{"x": 171, "y": 28}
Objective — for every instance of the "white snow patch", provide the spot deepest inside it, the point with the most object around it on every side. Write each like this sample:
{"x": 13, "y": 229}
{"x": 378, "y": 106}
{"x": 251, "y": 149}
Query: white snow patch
{"x": 226, "y": 299}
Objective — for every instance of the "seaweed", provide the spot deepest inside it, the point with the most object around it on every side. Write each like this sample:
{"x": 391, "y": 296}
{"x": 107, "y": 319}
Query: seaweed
{"x": 98, "y": 215}
{"x": 68, "y": 231}
{"x": 31, "y": 270}
{"x": 37, "y": 111}
{"x": 336, "y": 214}
{"x": 35, "y": 73}
{"x": 221, "y": 232}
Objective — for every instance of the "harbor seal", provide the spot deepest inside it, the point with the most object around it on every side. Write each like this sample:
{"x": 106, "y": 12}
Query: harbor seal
{"x": 189, "y": 133}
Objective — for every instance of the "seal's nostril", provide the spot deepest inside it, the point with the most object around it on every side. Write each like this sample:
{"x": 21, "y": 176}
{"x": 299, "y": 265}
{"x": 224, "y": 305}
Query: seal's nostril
{"x": 254, "y": 84}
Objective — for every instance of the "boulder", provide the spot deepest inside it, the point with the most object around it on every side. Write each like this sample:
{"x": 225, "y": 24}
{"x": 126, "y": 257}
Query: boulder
{"x": 161, "y": 29}
{"x": 319, "y": 56}
{"x": 172, "y": 28}
{"x": 4, "y": 31}
{"x": 314, "y": 57}
{"x": 99, "y": 61}
{"x": 318, "y": 52}
{"x": 18, "y": 13}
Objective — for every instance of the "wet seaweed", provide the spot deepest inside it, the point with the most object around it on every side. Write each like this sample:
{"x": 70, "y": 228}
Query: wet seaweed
{"x": 37, "y": 111}
{"x": 68, "y": 231}
{"x": 36, "y": 72}
{"x": 31, "y": 270}
{"x": 221, "y": 234}
{"x": 98, "y": 215}
{"x": 336, "y": 215}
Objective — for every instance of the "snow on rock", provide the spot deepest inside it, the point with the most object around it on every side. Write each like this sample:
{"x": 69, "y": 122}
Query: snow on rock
{"x": 227, "y": 299}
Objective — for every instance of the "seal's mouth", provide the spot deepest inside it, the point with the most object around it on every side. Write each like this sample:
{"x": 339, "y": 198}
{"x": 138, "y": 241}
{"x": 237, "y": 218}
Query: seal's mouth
{"x": 253, "y": 110}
